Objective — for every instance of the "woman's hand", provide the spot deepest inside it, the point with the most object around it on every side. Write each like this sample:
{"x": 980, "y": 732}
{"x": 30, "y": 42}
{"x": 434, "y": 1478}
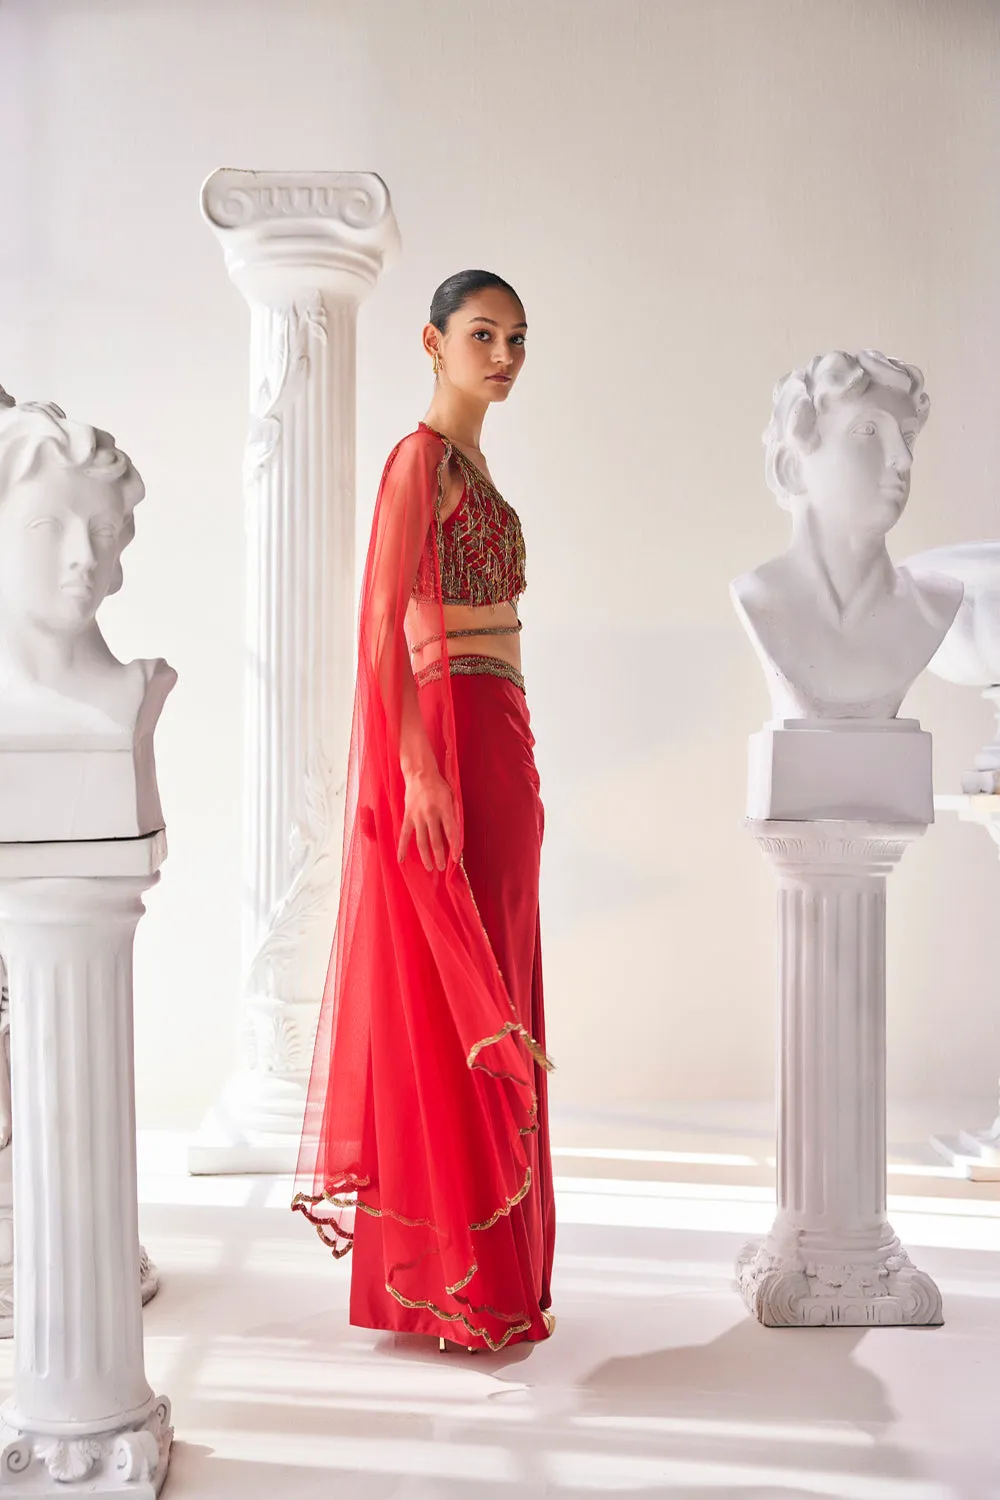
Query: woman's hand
{"x": 429, "y": 815}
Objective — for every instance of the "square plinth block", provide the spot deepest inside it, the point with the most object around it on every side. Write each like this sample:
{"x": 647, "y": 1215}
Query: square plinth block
{"x": 874, "y": 770}
{"x": 96, "y": 788}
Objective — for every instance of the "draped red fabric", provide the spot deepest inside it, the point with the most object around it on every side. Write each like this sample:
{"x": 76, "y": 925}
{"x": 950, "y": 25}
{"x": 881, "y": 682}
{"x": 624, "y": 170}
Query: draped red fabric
{"x": 421, "y": 1139}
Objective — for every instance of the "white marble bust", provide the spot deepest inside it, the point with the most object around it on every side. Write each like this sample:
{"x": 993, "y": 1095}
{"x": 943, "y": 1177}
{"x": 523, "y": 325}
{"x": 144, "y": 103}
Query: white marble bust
{"x": 841, "y": 632}
{"x": 67, "y": 497}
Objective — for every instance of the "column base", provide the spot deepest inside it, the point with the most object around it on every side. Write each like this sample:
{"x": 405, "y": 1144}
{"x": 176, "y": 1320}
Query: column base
{"x": 131, "y": 1462}
{"x": 256, "y": 1124}
{"x": 255, "y": 1127}
{"x": 785, "y": 1287}
{"x": 975, "y": 1153}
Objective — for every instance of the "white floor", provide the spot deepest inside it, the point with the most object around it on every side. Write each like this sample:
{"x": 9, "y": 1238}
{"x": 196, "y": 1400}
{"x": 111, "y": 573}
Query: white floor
{"x": 655, "y": 1384}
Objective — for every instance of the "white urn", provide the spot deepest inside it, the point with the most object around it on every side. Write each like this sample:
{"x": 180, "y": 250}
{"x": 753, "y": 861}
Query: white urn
{"x": 970, "y": 652}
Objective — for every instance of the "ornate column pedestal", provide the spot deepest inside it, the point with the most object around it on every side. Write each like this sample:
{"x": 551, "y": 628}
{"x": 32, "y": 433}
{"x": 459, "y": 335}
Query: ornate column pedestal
{"x": 304, "y": 248}
{"x": 976, "y": 1152}
{"x": 82, "y": 1418}
{"x": 831, "y": 1256}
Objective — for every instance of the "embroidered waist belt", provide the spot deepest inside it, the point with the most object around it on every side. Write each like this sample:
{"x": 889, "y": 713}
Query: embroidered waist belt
{"x": 470, "y": 666}
{"x": 450, "y": 635}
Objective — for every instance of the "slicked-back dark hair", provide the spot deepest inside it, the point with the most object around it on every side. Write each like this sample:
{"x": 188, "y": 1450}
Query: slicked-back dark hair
{"x": 456, "y": 291}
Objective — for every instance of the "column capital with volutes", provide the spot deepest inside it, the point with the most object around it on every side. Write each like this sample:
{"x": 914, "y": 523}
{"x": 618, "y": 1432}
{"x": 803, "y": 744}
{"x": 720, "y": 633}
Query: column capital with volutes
{"x": 285, "y": 232}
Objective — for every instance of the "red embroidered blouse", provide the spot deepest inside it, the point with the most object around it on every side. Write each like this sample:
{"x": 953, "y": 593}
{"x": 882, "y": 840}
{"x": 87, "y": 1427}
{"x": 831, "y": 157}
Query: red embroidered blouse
{"x": 480, "y": 545}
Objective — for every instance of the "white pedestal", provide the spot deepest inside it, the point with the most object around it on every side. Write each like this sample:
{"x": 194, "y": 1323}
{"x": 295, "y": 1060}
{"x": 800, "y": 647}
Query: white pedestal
{"x": 304, "y": 248}
{"x": 831, "y": 1257}
{"x": 875, "y": 770}
{"x": 83, "y": 784}
{"x": 975, "y": 1152}
{"x": 82, "y": 1418}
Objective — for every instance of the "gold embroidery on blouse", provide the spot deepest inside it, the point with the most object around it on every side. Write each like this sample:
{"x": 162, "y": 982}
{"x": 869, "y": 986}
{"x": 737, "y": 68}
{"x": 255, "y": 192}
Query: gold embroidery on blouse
{"x": 482, "y": 558}
{"x": 495, "y": 573}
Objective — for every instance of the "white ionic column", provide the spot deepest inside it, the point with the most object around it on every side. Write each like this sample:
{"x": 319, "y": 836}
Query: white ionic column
{"x": 82, "y": 1417}
{"x": 976, "y": 1152}
{"x": 831, "y": 1256}
{"x": 303, "y": 248}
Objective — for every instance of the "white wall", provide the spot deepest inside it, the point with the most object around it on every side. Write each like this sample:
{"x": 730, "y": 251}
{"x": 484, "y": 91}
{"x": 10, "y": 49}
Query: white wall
{"x": 691, "y": 197}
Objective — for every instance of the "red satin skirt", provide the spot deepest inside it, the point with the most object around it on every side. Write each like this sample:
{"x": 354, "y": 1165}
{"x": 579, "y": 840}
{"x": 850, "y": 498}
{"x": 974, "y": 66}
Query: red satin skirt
{"x": 503, "y": 837}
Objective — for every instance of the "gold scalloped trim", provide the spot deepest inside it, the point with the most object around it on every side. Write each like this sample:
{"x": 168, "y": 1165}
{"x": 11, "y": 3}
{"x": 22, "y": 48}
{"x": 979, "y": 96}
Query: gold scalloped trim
{"x": 461, "y": 1285}
{"x": 305, "y": 1202}
{"x": 390, "y": 1213}
{"x": 510, "y": 1203}
{"x": 511, "y": 1028}
{"x": 446, "y": 1317}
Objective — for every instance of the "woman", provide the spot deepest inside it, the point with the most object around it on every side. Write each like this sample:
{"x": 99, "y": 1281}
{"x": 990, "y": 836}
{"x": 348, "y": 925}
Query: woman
{"x": 427, "y": 1123}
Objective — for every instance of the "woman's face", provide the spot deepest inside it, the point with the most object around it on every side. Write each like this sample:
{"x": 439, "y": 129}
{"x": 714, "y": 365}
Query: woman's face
{"x": 482, "y": 350}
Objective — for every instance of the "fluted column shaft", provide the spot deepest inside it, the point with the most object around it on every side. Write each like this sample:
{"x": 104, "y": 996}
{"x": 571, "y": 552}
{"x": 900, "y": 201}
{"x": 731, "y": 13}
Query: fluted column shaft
{"x": 300, "y": 626}
{"x": 82, "y": 1417}
{"x": 299, "y": 674}
{"x": 78, "y": 1329}
{"x": 831, "y": 1075}
{"x": 303, "y": 248}
{"x": 831, "y": 1256}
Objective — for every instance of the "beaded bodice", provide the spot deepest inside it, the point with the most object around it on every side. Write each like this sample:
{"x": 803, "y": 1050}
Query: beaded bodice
{"x": 480, "y": 545}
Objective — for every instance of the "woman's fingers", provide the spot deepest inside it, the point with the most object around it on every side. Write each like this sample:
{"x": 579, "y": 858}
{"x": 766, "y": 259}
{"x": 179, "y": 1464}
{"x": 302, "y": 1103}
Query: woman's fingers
{"x": 435, "y": 829}
{"x": 424, "y": 844}
{"x": 410, "y": 830}
{"x": 435, "y": 832}
{"x": 406, "y": 833}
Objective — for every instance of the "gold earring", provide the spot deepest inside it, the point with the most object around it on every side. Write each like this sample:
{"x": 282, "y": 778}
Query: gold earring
{"x": 436, "y": 364}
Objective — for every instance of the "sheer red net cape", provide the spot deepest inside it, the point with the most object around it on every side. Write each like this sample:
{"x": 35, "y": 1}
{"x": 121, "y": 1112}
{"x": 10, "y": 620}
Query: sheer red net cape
{"x": 423, "y": 1086}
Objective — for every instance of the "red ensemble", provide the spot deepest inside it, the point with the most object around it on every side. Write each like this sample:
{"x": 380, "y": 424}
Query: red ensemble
{"x": 426, "y": 1144}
